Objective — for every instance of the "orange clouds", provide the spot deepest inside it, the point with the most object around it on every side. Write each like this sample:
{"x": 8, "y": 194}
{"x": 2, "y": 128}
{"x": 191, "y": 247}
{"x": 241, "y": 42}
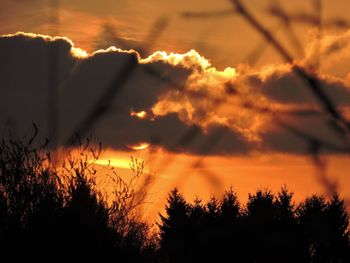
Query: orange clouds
{"x": 332, "y": 50}
{"x": 246, "y": 99}
{"x": 168, "y": 94}
{"x": 198, "y": 101}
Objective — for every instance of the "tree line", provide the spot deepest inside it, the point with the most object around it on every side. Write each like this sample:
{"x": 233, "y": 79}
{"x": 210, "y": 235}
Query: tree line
{"x": 50, "y": 213}
{"x": 268, "y": 228}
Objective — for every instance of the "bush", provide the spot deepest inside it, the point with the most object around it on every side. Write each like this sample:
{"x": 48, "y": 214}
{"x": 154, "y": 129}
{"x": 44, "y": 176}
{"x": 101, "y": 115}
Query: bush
{"x": 50, "y": 211}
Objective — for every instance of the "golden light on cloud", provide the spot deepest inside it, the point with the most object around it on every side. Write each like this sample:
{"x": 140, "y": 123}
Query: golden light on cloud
{"x": 140, "y": 114}
{"x": 76, "y": 52}
{"x": 79, "y": 53}
{"x": 139, "y": 146}
{"x": 190, "y": 59}
{"x": 205, "y": 84}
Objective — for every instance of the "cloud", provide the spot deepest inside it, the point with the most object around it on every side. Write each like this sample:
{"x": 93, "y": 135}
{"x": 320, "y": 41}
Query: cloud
{"x": 83, "y": 79}
{"x": 300, "y": 134}
{"x": 172, "y": 134}
{"x": 176, "y": 101}
{"x": 281, "y": 84}
{"x": 333, "y": 51}
{"x": 24, "y": 77}
{"x": 291, "y": 101}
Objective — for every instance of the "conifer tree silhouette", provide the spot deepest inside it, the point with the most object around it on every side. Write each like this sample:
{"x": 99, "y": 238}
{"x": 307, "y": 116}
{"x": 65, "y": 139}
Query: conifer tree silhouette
{"x": 196, "y": 231}
{"x": 260, "y": 219}
{"x": 211, "y": 237}
{"x": 212, "y": 211}
{"x": 337, "y": 218}
{"x": 173, "y": 229}
{"x": 230, "y": 227}
{"x": 86, "y": 222}
{"x": 230, "y": 208}
{"x": 288, "y": 241}
{"x": 324, "y": 227}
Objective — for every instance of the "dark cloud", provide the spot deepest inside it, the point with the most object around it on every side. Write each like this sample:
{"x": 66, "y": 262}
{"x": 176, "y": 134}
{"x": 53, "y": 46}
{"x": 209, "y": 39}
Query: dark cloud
{"x": 281, "y": 86}
{"x": 169, "y": 132}
{"x": 284, "y": 86}
{"x": 299, "y": 133}
{"x": 24, "y": 78}
{"x": 82, "y": 81}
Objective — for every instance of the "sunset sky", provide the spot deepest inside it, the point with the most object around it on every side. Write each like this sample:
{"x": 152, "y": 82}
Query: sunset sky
{"x": 206, "y": 96}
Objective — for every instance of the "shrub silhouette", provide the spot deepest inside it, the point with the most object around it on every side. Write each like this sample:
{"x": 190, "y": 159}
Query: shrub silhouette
{"x": 31, "y": 199}
{"x": 56, "y": 213}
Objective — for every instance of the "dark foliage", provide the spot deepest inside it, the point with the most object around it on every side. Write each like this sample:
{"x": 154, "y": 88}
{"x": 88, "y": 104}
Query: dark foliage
{"x": 268, "y": 229}
{"x": 173, "y": 230}
{"x": 57, "y": 214}
{"x": 324, "y": 227}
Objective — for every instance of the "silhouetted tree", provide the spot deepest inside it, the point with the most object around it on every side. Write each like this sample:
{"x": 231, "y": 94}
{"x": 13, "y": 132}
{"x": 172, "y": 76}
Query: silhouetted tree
{"x": 230, "y": 208}
{"x": 285, "y": 205}
{"x": 85, "y": 220}
{"x": 311, "y": 215}
{"x": 337, "y": 219}
{"x": 173, "y": 229}
{"x": 260, "y": 219}
{"x": 229, "y": 228}
{"x": 210, "y": 238}
{"x": 196, "y": 231}
{"x": 324, "y": 227}
{"x": 288, "y": 242}
{"x": 212, "y": 211}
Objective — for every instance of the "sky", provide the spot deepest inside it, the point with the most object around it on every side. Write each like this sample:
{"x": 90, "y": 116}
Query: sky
{"x": 206, "y": 102}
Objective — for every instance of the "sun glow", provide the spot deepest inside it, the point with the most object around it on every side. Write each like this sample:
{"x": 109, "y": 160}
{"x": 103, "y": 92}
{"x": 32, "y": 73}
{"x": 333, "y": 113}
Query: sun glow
{"x": 139, "y": 146}
{"x": 79, "y": 53}
{"x": 140, "y": 114}
{"x": 113, "y": 162}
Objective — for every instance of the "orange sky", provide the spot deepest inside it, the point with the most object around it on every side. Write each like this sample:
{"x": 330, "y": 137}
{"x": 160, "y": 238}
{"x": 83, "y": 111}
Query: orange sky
{"x": 223, "y": 41}
{"x": 245, "y": 174}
